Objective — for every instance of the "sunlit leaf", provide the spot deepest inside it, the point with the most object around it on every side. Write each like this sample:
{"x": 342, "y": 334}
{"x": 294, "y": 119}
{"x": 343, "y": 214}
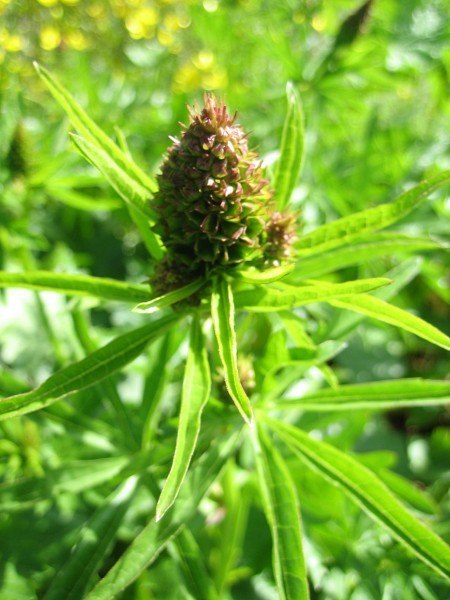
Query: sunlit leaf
{"x": 92, "y": 369}
{"x": 349, "y": 228}
{"x": 75, "y": 285}
{"x": 222, "y": 312}
{"x": 292, "y": 150}
{"x": 195, "y": 393}
{"x": 283, "y": 514}
{"x": 379, "y": 395}
{"x": 365, "y": 488}
{"x": 170, "y": 298}
{"x": 383, "y": 311}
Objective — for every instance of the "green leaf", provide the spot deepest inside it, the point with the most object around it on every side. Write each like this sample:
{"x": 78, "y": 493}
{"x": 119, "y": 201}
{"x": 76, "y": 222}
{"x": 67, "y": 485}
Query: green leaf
{"x": 382, "y": 244}
{"x": 94, "y": 542}
{"x": 347, "y": 229}
{"x": 92, "y": 369}
{"x": 75, "y": 285}
{"x": 193, "y": 567}
{"x": 222, "y": 312}
{"x": 283, "y": 514}
{"x": 267, "y": 276}
{"x": 195, "y": 393}
{"x": 292, "y": 150}
{"x": 388, "y": 313}
{"x": 130, "y": 190}
{"x": 379, "y": 395}
{"x": 147, "y": 546}
{"x": 84, "y": 124}
{"x": 170, "y": 298}
{"x": 365, "y": 488}
{"x": 269, "y": 299}
{"x": 83, "y": 201}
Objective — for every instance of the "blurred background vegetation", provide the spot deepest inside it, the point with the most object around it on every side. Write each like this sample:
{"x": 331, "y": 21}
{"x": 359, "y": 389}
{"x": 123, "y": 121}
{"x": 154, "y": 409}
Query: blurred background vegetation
{"x": 374, "y": 79}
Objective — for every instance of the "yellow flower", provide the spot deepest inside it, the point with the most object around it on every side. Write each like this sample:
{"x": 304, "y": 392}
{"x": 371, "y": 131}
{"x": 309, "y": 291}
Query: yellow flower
{"x": 9, "y": 42}
{"x": 76, "y": 40}
{"x": 50, "y": 38}
{"x": 48, "y": 2}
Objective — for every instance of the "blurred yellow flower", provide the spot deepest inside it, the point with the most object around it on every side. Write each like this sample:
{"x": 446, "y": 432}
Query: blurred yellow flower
{"x": 202, "y": 72}
{"x": 70, "y": 2}
{"x": 9, "y": 42}
{"x": 50, "y": 38}
{"x": 76, "y": 40}
{"x": 141, "y": 23}
{"x": 48, "y": 2}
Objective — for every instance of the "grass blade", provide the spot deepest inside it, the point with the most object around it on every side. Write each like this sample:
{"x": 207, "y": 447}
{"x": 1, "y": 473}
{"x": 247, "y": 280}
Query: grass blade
{"x": 196, "y": 389}
{"x": 292, "y": 150}
{"x": 75, "y": 285}
{"x": 365, "y": 488}
{"x": 347, "y": 229}
{"x": 388, "y": 313}
{"x": 283, "y": 514}
{"x": 170, "y": 298}
{"x": 269, "y": 299}
{"x": 222, "y": 312}
{"x": 147, "y": 546}
{"x": 379, "y": 395}
{"x": 92, "y": 369}
{"x": 95, "y": 539}
{"x": 193, "y": 567}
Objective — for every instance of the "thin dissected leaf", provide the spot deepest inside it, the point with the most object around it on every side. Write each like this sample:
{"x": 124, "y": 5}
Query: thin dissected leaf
{"x": 365, "y": 488}
{"x": 94, "y": 542}
{"x": 292, "y": 150}
{"x": 267, "y": 276}
{"x": 196, "y": 389}
{"x": 193, "y": 567}
{"x": 170, "y": 298}
{"x": 388, "y": 313}
{"x": 345, "y": 230}
{"x": 382, "y": 244}
{"x": 283, "y": 514}
{"x": 92, "y": 369}
{"x": 222, "y": 312}
{"x": 154, "y": 537}
{"x": 92, "y": 132}
{"x": 379, "y": 395}
{"x": 269, "y": 299}
{"x": 75, "y": 285}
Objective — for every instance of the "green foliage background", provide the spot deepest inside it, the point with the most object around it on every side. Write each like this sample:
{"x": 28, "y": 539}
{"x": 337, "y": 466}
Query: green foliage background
{"x": 377, "y": 119}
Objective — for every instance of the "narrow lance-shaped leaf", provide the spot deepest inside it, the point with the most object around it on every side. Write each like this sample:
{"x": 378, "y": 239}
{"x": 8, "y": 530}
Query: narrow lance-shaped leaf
{"x": 267, "y": 276}
{"x": 383, "y": 311}
{"x": 347, "y": 229}
{"x": 365, "y": 488}
{"x": 147, "y": 546}
{"x": 130, "y": 190}
{"x": 283, "y": 514}
{"x": 92, "y": 132}
{"x": 222, "y": 312}
{"x": 75, "y": 285}
{"x": 170, "y": 298}
{"x": 195, "y": 393}
{"x": 93, "y": 544}
{"x": 92, "y": 369}
{"x": 292, "y": 150}
{"x": 269, "y": 299}
{"x": 196, "y": 577}
{"x": 379, "y": 395}
{"x": 382, "y": 244}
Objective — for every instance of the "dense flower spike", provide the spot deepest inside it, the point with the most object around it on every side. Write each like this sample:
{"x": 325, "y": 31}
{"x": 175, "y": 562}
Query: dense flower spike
{"x": 281, "y": 233}
{"x": 212, "y": 195}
